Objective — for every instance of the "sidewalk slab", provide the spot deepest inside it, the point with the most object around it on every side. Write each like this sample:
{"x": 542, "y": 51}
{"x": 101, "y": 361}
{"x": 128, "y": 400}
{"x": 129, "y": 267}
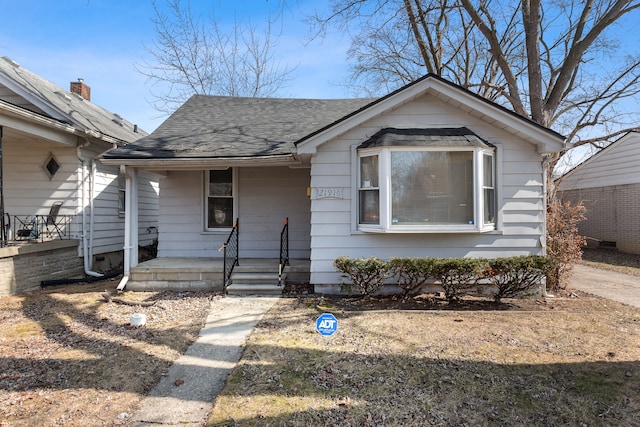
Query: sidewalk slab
{"x": 203, "y": 370}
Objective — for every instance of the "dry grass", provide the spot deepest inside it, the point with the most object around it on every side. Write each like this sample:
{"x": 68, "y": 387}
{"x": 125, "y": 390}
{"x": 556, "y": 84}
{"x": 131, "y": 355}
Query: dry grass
{"x": 610, "y": 259}
{"x": 70, "y": 358}
{"x": 567, "y": 362}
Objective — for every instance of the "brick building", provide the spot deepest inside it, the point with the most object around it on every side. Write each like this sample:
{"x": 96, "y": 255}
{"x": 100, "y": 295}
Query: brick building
{"x": 608, "y": 184}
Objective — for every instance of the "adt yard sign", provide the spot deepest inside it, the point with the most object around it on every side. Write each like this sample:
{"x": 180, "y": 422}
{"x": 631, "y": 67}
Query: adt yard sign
{"x": 327, "y": 324}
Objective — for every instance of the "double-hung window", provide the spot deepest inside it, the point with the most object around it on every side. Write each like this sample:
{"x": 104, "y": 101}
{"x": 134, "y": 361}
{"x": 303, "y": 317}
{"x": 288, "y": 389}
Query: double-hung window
{"x": 426, "y": 180}
{"x": 219, "y": 199}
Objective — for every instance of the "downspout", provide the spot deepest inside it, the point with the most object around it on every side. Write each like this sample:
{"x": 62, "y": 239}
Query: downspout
{"x": 85, "y": 243}
{"x": 92, "y": 184}
{"x": 92, "y": 192}
{"x": 127, "y": 231}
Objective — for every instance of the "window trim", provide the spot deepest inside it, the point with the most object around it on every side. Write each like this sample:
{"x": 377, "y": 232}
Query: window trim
{"x": 45, "y": 166}
{"x": 205, "y": 199}
{"x": 384, "y": 165}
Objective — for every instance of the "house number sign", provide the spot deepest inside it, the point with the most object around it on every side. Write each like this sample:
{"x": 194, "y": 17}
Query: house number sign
{"x": 329, "y": 193}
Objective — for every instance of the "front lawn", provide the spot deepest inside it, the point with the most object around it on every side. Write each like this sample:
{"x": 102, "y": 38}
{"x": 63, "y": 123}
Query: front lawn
{"x": 568, "y": 361}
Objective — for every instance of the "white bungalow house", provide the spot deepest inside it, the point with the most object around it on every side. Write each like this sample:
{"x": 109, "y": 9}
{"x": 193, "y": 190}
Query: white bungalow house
{"x": 428, "y": 170}
{"x": 608, "y": 183}
{"x": 62, "y": 211}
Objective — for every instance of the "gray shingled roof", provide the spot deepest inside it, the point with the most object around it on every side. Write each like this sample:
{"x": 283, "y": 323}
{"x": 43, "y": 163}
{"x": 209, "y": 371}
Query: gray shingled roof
{"x": 50, "y": 100}
{"x": 450, "y": 137}
{"x": 216, "y": 126}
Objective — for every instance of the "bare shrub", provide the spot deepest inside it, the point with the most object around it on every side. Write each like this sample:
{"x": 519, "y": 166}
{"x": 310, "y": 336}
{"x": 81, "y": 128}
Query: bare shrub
{"x": 515, "y": 276}
{"x": 413, "y": 273}
{"x": 564, "y": 242}
{"x": 366, "y": 274}
{"x": 458, "y": 275}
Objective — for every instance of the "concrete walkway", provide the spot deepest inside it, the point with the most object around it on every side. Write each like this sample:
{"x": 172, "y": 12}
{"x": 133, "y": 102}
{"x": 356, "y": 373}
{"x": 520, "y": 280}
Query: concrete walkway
{"x": 203, "y": 370}
{"x": 624, "y": 288}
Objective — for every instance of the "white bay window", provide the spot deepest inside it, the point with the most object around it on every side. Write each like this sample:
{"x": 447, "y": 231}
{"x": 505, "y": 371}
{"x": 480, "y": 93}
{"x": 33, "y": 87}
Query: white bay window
{"x": 426, "y": 180}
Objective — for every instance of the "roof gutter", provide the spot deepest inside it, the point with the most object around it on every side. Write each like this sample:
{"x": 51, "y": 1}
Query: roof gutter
{"x": 202, "y": 163}
{"x": 18, "y": 112}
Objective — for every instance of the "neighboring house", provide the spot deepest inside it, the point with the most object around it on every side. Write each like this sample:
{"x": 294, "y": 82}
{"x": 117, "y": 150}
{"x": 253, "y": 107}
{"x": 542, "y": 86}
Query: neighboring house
{"x": 608, "y": 183}
{"x": 49, "y": 140}
{"x": 428, "y": 170}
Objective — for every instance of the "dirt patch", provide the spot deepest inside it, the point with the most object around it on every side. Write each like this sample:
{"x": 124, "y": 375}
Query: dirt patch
{"x": 71, "y": 358}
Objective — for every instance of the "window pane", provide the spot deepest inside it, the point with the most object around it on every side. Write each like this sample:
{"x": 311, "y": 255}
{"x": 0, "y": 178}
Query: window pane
{"x": 431, "y": 187}
{"x": 220, "y": 212}
{"x": 369, "y": 207}
{"x": 369, "y": 171}
{"x": 489, "y": 214}
{"x": 220, "y": 183}
{"x": 489, "y": 206}
{"x": 488, "y": 170}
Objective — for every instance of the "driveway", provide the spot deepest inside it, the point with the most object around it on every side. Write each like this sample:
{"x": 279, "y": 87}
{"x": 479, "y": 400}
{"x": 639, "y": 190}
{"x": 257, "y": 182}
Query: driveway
{"x": 624, "y": 288}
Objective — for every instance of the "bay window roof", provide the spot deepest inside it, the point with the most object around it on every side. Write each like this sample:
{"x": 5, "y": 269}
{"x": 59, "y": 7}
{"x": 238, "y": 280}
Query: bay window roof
{"x": 425, "y": 137}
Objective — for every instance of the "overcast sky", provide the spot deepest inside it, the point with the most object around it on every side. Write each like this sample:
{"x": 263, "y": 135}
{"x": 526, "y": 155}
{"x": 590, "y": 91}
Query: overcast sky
{"x": 101, "y": 40}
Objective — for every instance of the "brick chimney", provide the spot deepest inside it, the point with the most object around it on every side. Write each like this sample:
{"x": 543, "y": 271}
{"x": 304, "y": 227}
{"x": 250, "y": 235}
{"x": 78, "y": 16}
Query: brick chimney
{"x": 81, "y": 89}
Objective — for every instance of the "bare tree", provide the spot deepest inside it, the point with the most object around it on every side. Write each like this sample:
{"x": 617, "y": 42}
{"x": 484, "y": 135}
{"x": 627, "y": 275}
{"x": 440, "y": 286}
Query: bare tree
{"x": 559, "y": 63}
{"x": 194, "y": 56}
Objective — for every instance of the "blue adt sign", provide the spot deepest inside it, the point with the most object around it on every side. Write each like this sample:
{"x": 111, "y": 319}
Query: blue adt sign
{"x": 327, "y": 324}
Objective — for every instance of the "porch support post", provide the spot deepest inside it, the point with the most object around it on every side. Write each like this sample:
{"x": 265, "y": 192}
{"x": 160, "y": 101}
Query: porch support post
{"x": 130, "y": 222}
{"x": 3, "y": 231}
{"x": 131, "y": 215}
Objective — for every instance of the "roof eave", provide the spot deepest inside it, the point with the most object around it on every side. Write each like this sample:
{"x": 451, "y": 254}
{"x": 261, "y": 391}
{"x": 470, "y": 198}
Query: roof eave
{"x": 39, "y": 125}
{"x": 16, "y": 112}
{"x": 546, "y": 140}
{"x": 201, "y": 163}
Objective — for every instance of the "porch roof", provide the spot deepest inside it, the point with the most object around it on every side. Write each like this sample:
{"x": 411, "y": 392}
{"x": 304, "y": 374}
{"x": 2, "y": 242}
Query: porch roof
{"x": 220, "y": 127}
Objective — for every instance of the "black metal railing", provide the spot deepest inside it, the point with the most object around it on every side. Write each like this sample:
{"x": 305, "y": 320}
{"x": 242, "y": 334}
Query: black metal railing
{"x": 284, "y": 250}
{"x": 230, "y": 250}
{"x": 5, "y": 228}
{"x": 40, "y": 228}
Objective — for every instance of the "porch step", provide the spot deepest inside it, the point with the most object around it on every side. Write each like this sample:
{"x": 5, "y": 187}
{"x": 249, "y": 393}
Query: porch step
{"x": 205, "y": 274}
{"x": 254, "y": 283}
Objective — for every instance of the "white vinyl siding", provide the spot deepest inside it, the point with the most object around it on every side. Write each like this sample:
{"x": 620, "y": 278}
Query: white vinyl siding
{"x": 29, "y": 191}
{"x": 27, "y": 188}
{"x": 266, "y": 196}
{"x": 519, "y": 192}
{"x": 617, "y": 164}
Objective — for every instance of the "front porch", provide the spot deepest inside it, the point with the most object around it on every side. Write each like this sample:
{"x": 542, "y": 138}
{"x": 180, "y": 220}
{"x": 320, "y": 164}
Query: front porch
{"x": 251, "y": 275}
